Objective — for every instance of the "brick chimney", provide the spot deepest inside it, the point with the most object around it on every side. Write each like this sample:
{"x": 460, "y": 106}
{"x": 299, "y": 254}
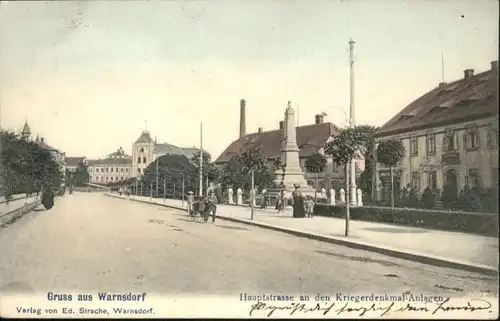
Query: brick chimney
{"x": 468, "y": 73}
{"x": 282, "y": 124}
{"x": 243, "y": 127}
{"x": 494, "y": 64}
{"x": 319, "y": 119}
{"x": 260, "y": 130}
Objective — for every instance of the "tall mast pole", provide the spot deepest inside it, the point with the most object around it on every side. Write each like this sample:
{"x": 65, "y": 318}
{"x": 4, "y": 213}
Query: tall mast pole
{"x": 201, "y": 160}
{"x": 352, "y": 121}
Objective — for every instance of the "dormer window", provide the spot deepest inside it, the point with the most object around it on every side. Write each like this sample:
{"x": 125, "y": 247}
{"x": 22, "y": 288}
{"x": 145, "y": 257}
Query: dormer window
{"x": 406, "y": 117}
{"x": 142, "y": 149}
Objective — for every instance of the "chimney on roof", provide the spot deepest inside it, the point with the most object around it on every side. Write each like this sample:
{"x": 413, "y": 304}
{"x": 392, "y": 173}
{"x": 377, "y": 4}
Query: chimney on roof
{"x": 282, "y": 124}
{"x": 494, "y": 65}
{"x": 242, "y": 118}
{"x": 319, "y": 119}
{"x": 468, "y": 73}
{"x": 260, "y": 130}
{"x": 42, "y": 140}
{"x": 442, "y": 84}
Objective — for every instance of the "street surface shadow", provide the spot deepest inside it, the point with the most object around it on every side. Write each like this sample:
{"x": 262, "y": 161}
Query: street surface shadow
{"x": 197, "y": 221}
{"x": 359, "y": 258}
{"x": 234, "y": 228}
{"x": 178, "y": 230}
{"x": 393, "y": 230}
{"x": 38, "y": 209}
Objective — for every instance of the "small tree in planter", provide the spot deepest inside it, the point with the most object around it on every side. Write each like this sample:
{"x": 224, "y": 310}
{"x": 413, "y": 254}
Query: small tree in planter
{"x": 390, "y": 152}
{"x": 315, "y": 163}
{"x": 428, "y": 199}
{"x": 343, "y": 148}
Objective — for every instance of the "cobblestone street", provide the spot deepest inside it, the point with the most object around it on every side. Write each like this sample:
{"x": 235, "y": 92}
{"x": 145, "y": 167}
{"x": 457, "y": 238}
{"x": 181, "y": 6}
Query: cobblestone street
{"x": 90, "y": 242}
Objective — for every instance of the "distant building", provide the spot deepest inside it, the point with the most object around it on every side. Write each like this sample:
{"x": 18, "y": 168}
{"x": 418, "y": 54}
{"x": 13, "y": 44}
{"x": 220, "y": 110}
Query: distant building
{"x": 116, "y": 167}
{"x": 450, "y": 135}
{"x": 310, "y": 139}
{"x": 58, "y": 156}
{"x": 73, "y": 162}
{"x": 145, "y": 150}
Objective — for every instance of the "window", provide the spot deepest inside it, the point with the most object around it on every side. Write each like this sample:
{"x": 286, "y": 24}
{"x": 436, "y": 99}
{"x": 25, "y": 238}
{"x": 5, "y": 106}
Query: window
{"x": 474, "y": 179}
{"x": 138, "y": 160}
{"x": 415, "y": 180}
{"x": 126, "y": 170}
{"x": 142, "y": 149}
{"x": 432, "y": 180}
{"x": 122, "y": 170}
{"x": 414, "y": 146}
{"x": 90, "y": 177}
{"x": 471, "y": 138}
{"x": 106, "y": 169}
{"x": 449, "y": 143}
{"x": 111, "y": 169}
{"x": 111, "y": 177}
{"x": 97, "y": 170}
{"x": 116, "y": 179}
{"x": 139, "y": 170}
{"x": 144, "y": 160}
{"x": 492, "y": 136}
{"x": 431, "y": 144}
{"x": 107, "y": 178}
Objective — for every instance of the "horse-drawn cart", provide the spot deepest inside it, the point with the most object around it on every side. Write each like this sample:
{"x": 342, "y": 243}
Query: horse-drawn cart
{"x": 203, "y": 209}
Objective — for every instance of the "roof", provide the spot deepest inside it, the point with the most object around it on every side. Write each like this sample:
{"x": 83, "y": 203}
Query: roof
{"x": 120, "y": 153}
{"x": 190, "y": 152}
{"x": 310, "y": 139}
{"x": 166, "y": 148}
{"x": 110, "y": 161}
{"x": 74, "y": 161}
{"x": 43, "y": 145}
{"x": 475, "y": 97}
{"x": 145, "y": 138}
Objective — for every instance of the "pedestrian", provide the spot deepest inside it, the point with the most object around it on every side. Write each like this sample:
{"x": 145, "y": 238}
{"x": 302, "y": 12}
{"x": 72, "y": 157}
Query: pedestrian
{"x": 309, "y": 204}
{"x": 212, "y": 206}
{"x": 48, "y": 198}
{"x": 190, "y": 201}
{"x": 298, "y": 202}
{"x": 280, "y": 201}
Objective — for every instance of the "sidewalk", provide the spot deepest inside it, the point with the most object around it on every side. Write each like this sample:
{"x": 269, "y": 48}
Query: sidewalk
{"x": 17, "y": 201}
{"x": 451, "y": 249}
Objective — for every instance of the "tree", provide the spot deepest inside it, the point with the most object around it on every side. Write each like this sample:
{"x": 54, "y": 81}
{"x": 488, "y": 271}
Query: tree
{"x": 81, "y": 175}
{"x": 237, "y": 172}
{"x": 343, "y": 148}
{"x": 390, "y": 153}
{"x": 26, "y": 167}
{"x": 367, "y": 133}
{"x": 315, "y": 163}
{"x": 172, "y": 169}
{"x": 209, "y": 169}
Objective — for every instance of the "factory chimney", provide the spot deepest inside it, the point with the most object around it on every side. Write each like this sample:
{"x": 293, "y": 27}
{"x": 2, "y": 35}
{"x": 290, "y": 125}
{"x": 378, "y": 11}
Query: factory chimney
{"x": 242, "y": 118}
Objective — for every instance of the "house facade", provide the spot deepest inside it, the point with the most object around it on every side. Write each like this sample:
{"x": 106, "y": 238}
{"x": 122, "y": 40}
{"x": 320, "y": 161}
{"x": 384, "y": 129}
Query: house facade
{"x": 116, "y": 167}
{"x": 450, "y": 135}
{"x": 145, "y": 151}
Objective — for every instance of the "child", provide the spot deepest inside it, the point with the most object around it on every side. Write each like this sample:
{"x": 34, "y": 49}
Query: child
{"x": 190, "y": 201}
{"x": 309, "y": 206}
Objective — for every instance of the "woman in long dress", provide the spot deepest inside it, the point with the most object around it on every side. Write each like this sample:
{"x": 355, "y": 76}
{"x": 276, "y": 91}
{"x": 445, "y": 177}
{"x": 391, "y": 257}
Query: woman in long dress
{"x": 48, "y": 198}
{"x": 298, "y": 203}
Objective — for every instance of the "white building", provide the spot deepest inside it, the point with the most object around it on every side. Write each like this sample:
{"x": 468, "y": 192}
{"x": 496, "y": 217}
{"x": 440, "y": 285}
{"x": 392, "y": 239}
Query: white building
{"x": 116, "y": 167}
{"x": 450, "y": 135}
{"x": 73, "y": 162}
{"x": 145, "y": 150}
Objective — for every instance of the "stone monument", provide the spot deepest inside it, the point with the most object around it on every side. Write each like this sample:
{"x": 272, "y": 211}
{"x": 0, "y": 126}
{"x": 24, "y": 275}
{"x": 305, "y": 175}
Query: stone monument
{"x": 292, "y": 173}
{"x": 360, "y": 197}
{"x": 239, "y": 197}
{"x": 332, "y": 197}
{"x": 230, "y": 195}
{"x": 342, "y": 196}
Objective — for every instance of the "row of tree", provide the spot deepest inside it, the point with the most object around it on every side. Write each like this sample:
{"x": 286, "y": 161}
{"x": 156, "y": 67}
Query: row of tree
{"x": 25, "y": 167}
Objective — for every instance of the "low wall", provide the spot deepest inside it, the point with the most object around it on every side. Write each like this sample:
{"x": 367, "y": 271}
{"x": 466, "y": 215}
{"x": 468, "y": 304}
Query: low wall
{"x": 476, "y": 223}
{"x": 16, "y": 207}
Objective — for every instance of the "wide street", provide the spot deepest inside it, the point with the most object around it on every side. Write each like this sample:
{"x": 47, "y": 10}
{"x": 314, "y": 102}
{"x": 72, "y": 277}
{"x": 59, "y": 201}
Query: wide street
{"x": 91, "y": 242}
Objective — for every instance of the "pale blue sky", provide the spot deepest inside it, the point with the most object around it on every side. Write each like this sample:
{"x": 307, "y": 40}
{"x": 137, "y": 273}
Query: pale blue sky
{"x": 87, "y": 74}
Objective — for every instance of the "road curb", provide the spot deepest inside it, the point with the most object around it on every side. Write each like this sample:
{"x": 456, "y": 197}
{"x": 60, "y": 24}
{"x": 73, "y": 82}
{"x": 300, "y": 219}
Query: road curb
{"x": 9, "y": 217}
{"x": 411, "y": 256}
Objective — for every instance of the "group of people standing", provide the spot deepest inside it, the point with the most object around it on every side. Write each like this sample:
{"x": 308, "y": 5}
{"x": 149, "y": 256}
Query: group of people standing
{"x": 302, "y": 205}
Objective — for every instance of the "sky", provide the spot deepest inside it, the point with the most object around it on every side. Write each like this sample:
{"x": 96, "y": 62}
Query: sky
{"x": 89, "y": 76}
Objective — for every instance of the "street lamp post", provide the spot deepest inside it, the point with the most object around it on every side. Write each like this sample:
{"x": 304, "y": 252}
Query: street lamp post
{"x": 201, "y": 161}
{"x": 351, "y": 120}
{"x": 164, "y": 189}
{"x": 182, "y": 191}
